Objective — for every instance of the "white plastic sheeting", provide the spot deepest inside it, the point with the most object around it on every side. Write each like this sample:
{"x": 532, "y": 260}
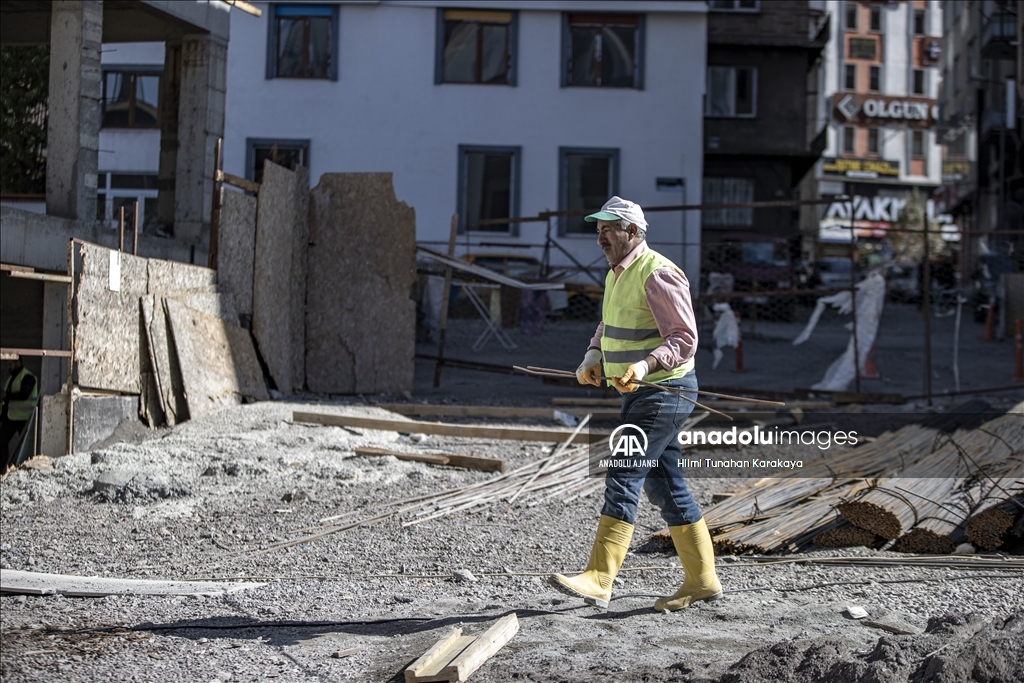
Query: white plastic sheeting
{"x": 726, "y": 332}
{"x": 870, "y": 299}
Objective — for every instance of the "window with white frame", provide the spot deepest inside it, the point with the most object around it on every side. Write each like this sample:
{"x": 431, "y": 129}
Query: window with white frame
{"x": 488, "y": 188}
{"x": 851, "y": 77}
{"x": 476, "y": 46}
{"x": 919, "y": 81}
{"x": 849, "y": 139}
{"x": 587, "y": 177}
{"x": 728, "y": 191}
{"x": 603, "y": 50}
{"x": 122, "y": 190}
{"x": 732, "y": 92}
{"x": 302, "y": 41}
{"x": 917, "y": 147}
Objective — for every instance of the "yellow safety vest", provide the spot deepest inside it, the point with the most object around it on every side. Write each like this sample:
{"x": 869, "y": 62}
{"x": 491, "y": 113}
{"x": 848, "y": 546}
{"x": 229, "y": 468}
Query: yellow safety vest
{"x": 630, "y": 331}
{"x": 21, "y": 410}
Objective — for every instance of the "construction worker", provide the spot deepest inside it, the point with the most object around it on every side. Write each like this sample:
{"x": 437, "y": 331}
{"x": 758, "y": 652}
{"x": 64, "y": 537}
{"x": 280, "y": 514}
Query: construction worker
{"x": 21, "y": 391}
{"x": 647, "y": 333}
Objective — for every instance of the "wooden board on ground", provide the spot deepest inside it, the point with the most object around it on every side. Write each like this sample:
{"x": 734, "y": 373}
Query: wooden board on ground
{"x": 442, "y": 429}
{"x": 469, "y": 462}
{"x": 505, "y": 412}
{"x": 455, "y": 657}
{"x": 218, "y": 363}
{"x": 36, "y": 583}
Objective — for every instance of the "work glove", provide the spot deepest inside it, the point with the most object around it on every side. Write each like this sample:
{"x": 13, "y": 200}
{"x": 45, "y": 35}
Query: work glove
{"x": 590, "y": 369}
{"x": 633, "y": 374}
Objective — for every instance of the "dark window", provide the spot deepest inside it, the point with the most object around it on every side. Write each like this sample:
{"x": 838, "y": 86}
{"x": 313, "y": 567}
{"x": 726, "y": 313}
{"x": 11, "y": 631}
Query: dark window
{"x": 851, "y": 16}
{"x": 285, "y": 152}
{"x": 876, "y": 18}
{"x": 101, "y": 207}
{"x": 849, "y": 136}
{"x": 488, "y": 187}
{"x": 133, "y": 181}
{"x": 732, "y": 92}
{"x": 734, "y": 5}
{"x": 476, "y": 46}
{"x": 917, "y": 144}
{"x": 587, "y": 178}
{"x": 603, "y": 50}
{"x": 728, "y": 191}
{"x": 872, "y": 141}
{"x": 851, "y": 77}
{"x": 303, "y": 42}
{"x": 130, "y": 99}
{"x": 918, "y": 81}
{"x": 875, "y": 77}
{"x": 863, "y": 48}
{"x": 919, "y": 25}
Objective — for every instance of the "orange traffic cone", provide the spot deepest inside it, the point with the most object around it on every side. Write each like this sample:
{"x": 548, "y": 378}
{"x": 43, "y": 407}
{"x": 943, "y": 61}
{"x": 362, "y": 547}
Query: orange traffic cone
{"x": 990, "y": 324}
{"x": 869, "y": 370}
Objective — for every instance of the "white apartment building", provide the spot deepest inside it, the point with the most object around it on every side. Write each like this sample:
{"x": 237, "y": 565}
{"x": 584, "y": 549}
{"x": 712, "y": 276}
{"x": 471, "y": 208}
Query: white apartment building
{"x": 485, "y": 109}
{"x": 880, "y": 95}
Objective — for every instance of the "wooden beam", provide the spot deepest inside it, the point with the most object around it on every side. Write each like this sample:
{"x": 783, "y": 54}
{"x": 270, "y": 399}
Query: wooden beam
{"x": 44, "y": 277}
{"x": 245, "y": 7}
{"x": 509, "y": 412}
{"x": 483, "y": 648}
{"x": 441, "y": 429}
{"x": 241, "y": 183}
{"x": 432, "y": 664}
{"x": 455, "y": 657}
{"x": 469, "y": 462}
{"x": 48, "y": 353}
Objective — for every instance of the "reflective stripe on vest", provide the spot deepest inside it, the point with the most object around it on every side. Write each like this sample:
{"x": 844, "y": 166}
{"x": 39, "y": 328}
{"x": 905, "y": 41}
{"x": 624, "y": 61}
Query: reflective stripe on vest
{"x": 630, "y": 332}
{"x": 21, "y": 410}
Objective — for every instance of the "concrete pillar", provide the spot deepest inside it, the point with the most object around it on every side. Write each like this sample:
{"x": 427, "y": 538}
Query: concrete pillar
{"x": 72, "y": 146}
{"x": 170, "y": 97}
{"x": 55, "y": 334}
{"x": 200, "y": 123}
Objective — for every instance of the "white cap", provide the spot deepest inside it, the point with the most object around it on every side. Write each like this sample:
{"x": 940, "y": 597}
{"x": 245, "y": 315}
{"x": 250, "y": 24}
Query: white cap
{"x": 616, "y": 208}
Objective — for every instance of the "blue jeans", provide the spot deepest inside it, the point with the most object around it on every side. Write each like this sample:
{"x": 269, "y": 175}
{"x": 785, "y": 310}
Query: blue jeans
{"x": 660, "y": 415}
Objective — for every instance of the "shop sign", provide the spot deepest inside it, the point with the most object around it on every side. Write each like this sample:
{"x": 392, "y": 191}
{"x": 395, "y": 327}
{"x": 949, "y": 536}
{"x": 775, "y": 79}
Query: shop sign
{"x": 877, "y": 109}
{"x": 876, "y": 209}
{"x": 863, "y": 48}
{"x": 861, "y": 168}
{"x": 955, "y": 171}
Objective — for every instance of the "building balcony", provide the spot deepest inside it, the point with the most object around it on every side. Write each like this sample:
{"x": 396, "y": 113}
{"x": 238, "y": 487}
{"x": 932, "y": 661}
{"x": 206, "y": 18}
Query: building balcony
{"x": 999, "y": 37}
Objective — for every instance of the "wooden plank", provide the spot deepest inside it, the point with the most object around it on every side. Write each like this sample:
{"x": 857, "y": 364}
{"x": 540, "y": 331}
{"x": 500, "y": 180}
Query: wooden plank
{"x": 426, "y": 667}
{"x": 414, "y": 457}
{"x": 441, "y": 429}
{"x": 240, "y": 183}
{"x": 507, "y": 412}
{"x": 469, "y": 462}
{"x": 36, "y": 583}
{"x": 44, "y": 277}
{"x": 492, "y": 640}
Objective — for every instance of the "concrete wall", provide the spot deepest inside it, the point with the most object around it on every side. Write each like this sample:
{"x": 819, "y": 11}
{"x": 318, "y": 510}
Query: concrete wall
{"x": 386, "y": 114}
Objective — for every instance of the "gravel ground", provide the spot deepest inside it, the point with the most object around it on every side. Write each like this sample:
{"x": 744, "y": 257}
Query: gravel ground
{"x": 199, "y": 500}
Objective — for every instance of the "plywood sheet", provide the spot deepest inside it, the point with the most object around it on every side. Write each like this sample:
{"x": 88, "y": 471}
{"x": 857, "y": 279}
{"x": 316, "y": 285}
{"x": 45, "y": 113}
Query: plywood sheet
{"x": 107, "y": 330}
{"x": 218, "y": 304}
{"x": 300, "y": 253}
{"x": 272, "y": 273}
{"x": 217, "y": 359}
{"x": 172, "y": 276}
{"x": 236, "y": 245}
{"x": 164, "y": 360}
{"x": 360, "y": 321}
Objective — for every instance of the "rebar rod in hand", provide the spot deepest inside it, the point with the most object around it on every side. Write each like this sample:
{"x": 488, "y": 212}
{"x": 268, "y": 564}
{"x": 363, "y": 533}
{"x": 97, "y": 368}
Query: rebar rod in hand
{"x": 551, "y": 372}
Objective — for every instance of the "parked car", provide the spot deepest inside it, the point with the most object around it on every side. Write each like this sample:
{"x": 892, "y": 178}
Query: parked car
{"x": 830, "y": 273}
{"x": 757, "y": 263}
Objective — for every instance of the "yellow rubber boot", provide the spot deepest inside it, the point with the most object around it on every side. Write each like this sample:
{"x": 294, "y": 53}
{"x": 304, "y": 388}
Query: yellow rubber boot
{"x": 594, "y": 585}
{"x": 697, "y": 555}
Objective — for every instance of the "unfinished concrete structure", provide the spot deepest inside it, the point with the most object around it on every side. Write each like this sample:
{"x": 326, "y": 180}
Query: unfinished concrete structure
{"x": 33, "y": 246}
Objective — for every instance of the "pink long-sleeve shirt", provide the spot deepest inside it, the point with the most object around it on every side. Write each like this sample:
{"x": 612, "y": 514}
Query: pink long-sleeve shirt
{"x": 668, "y": 295}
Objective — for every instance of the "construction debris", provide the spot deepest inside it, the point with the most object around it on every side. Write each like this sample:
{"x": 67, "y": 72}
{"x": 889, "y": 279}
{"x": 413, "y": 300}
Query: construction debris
{"x": 469, "y": 462}
{"x": 455, "y": 657}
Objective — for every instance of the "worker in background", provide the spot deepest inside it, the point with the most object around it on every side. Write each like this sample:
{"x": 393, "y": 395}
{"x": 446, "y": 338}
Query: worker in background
{"x": 647, "y": 332}
{"x": 21, "y": 391}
